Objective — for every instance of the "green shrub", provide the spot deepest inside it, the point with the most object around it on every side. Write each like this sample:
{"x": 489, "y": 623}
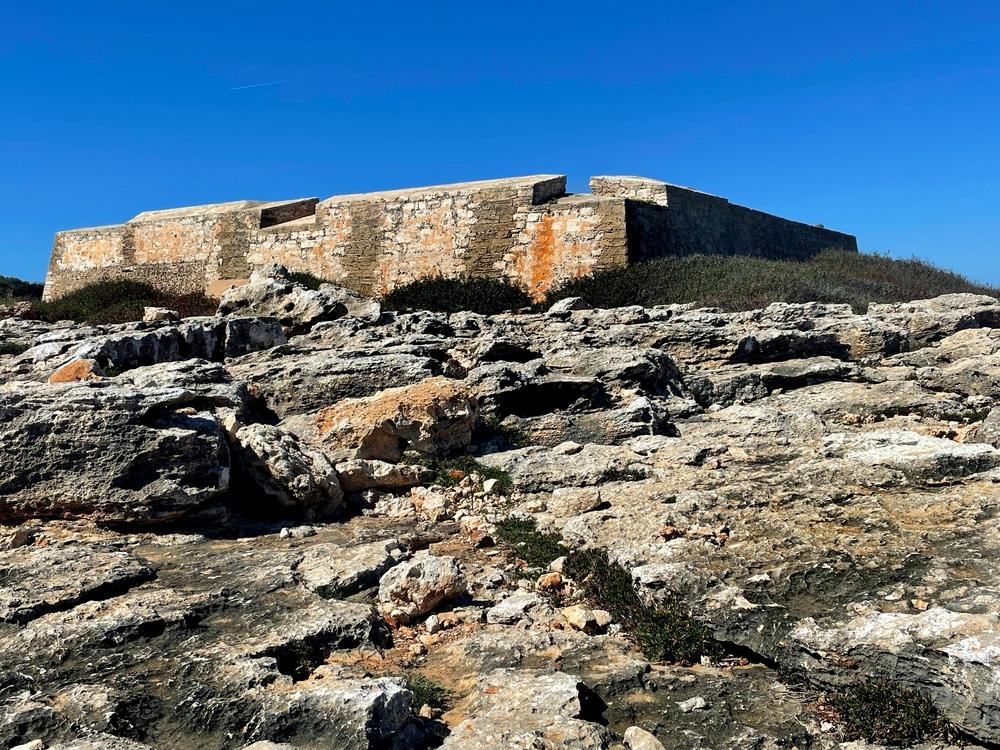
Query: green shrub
{"x": 882, "y": 712}
{"x": 665, "y": 631}
{"x": 427, "y": 691}
{"x": 308, "y": 280}
{"x": 13, "y": 347}
{"x": 744, "y": 283}
{"x": 12, "y": 288}
{"x": 522, "y": 537}
{"x": 473, "y": 294}
{"x": 445, "y": 468}
{"x": 120, "y": 301}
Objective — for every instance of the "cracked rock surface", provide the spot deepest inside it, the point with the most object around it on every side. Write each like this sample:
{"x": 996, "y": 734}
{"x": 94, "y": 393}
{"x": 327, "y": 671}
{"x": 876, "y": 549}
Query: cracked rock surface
{"x": 288, "y": 526}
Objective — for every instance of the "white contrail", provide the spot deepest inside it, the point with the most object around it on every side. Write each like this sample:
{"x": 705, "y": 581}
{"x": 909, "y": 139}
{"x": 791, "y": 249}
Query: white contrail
{"x": 256, "y": 85}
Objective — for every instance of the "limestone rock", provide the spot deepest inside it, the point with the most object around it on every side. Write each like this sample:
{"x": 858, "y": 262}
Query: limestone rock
{"x": 360, "y": 474}
{"x": 112, "y": 452}
{"x": 56, "y": 577}
{"x": 159, "y": 315}
{"x": 334, "y": 571}
{"x": 417, "y": 586}
{"x": 637, "y": 738}
{"x": 291, "y": 473}
{"x": 526, "y": 709}
{"x": 271, "y": 293}
{"x": 433, "y": 418}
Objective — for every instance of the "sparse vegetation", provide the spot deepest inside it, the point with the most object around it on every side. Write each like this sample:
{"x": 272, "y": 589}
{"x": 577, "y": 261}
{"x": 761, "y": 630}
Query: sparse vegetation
{"x": 882, "y": 712}
{"x": 427, "y": 692}
{"x": 12, "y": 288}
{"x": 120, "y": 301}
{"x": 308, "y": 280}
{"x": 474, "y": 294}
{"x": 13, "y": 347}
{"x": 522, "y": 537}
{"x": 451, "y": 471}
{"x": 743, "y": 283}
{"x": 628, "y": 474}
{"x": 665, "y": 631}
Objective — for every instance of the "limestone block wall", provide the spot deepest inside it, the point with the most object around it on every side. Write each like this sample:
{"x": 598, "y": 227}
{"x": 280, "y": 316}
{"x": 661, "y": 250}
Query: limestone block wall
{"x": 517, "y": 227}
{"x": 526, "y": 229}
{"x": 177, "y": 250}
{"x": 666, "y": 219}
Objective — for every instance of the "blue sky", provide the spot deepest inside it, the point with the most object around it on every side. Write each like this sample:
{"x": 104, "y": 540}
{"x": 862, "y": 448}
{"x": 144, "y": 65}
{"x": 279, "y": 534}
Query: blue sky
{"x": 877, "y": 118}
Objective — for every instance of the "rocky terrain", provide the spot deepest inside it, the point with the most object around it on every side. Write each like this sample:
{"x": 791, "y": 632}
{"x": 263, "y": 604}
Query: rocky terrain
{"x": 258, "y": 529}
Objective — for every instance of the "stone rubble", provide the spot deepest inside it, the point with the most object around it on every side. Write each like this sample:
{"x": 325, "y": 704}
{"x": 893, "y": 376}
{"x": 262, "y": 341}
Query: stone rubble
{"x": 275, "y": 527}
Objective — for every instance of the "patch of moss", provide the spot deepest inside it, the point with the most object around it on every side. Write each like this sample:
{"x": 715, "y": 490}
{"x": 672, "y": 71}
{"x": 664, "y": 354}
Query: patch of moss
{"x": 882, "y": 712}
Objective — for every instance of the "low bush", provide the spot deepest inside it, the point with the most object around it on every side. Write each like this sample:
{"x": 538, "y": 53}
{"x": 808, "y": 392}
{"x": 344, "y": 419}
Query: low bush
{"x": 522, "y": 537}
{"x": 744, "y": 283}
{"x": 665, "y": 631}
{"x": 120, "y": 301}
{"x": 13, "y": 347}
{"x": 473, "y": 294}
{"x": 427, "y": 692}
{"x": 12, "y": 288}
{"x": 451, "y": 471}
{"x": 882, "y": 712}
{"x": 306, "y": 279}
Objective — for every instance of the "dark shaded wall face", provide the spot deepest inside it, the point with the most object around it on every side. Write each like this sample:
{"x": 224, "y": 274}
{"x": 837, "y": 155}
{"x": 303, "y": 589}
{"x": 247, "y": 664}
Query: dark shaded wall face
{"x": 697, "y": 223}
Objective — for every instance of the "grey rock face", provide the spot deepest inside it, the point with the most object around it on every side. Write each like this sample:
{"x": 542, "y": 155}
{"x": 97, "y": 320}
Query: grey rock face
{"x": 286, "y": 470}
{"x": 57, "y": 577}
{"x": 110, "y": 452}
{"x": 271, "y": 293}
{"x": 335, "y": 571}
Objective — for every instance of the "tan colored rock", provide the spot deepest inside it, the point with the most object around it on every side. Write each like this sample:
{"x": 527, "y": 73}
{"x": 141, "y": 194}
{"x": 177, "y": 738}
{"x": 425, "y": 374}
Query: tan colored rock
{"x": 433, "y": 417}
{"x": 76, "y": 371}
{"x": 639, "y": 739}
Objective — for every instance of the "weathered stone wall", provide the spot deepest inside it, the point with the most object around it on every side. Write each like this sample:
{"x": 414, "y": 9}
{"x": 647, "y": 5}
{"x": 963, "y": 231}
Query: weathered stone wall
{"x": 666, "y": 219}
{"x": 177, "y": 250}
{"x": 526, "y": 229}
{"x": 519, "y": 228}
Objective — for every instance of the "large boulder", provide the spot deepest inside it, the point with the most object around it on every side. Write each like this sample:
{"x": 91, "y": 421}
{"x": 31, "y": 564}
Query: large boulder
{"x": 526, "y": 709}
{"x": 288, "y": 471}
{"x": 433, "y": 418}
{"x": 417, "y": 586}
{"x": 271, "y": 292}
{"x": 108, "y": 451}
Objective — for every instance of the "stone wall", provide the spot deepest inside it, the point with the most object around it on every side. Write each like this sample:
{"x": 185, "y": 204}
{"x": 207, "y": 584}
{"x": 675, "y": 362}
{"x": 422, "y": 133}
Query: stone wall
{"x": 666, "y": 219}
{"x": 526, "y": 229}
{"x": 177, "y": 250}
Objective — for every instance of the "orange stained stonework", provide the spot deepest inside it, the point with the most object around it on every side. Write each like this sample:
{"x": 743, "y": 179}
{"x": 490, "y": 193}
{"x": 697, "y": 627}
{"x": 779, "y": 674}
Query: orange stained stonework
{"x": 552, "y": 256}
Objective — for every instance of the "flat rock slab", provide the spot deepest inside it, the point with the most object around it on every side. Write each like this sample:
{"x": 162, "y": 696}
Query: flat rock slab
{"x": 37, "y": 580}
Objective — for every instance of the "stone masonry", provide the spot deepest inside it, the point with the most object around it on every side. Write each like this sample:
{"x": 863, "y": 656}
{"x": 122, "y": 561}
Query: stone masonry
{"x": 527, "y": 229}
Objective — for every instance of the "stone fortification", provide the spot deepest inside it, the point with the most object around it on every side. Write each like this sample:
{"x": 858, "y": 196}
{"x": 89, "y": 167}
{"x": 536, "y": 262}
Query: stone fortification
{"x": 527, "y": 229}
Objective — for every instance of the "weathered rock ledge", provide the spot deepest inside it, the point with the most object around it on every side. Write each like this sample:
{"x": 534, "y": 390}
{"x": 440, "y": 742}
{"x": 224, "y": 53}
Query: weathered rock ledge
{"x": 235, "y": 531}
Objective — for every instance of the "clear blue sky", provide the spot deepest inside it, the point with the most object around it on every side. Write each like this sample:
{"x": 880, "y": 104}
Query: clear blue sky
{"x": 878, "y": 118}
